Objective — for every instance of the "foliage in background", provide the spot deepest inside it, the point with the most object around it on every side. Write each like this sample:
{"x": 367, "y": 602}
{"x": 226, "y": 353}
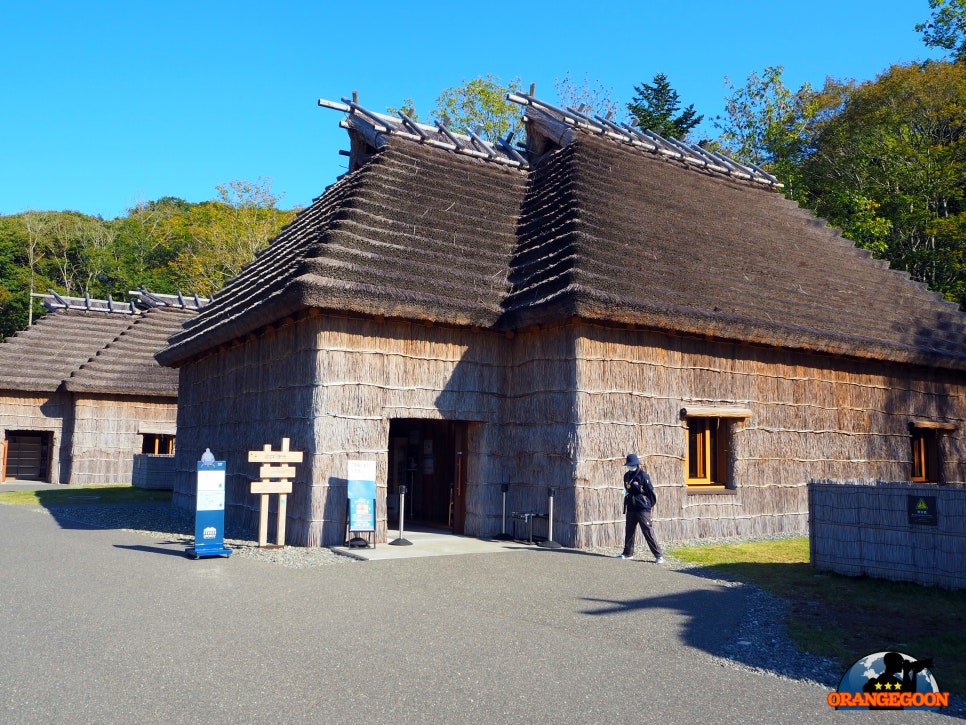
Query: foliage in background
{"x": 884, "y": 160}
{"x": 655, "y": 108}
{"x": 889, "y": 168}
{"x": 589, "y": 98}
{"x": 946, "y": 27}
{"x": 479, "y": 105}
{"x": 766, "y": 123}
{"x": 166, "y": 246}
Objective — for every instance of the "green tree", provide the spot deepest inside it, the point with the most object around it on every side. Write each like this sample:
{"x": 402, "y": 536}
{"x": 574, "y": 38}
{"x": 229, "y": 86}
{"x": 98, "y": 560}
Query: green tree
{"x": 223, "y": 236}
{"x": 889, "y": 168}
{"x": 479, "y": 105}
{"x": 946, "y": 27}
{"x": 655, "y": 108}
{"x": 768, "y": 124}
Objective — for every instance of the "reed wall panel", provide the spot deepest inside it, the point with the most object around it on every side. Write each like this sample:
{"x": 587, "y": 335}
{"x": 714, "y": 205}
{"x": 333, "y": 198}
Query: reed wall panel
{"x": 812, "y": 417}
{"x": 332, "y": 384}
{"x": 106, "y": 438}
{"x": 864, "y": 530}
{"x": 53, "y": 413}
{"x": 553, "y": 407}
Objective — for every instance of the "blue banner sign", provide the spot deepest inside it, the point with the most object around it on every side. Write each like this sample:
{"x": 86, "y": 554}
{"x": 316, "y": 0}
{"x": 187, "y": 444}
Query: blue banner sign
{"x": 210, "y": 509}
{"x": 362, "y": 495}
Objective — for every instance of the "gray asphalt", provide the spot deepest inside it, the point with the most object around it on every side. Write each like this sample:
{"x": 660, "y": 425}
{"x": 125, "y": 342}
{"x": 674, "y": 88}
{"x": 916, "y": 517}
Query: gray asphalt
{"x": 109, "y": 626}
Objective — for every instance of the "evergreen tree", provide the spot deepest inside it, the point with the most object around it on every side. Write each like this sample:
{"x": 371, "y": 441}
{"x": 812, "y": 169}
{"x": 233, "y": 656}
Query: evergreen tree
{"x": 655, "y": 108}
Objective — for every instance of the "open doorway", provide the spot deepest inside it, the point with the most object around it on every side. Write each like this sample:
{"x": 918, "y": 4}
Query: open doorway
{"x": 27, "y": 455}
{"x": 428, "y": 457}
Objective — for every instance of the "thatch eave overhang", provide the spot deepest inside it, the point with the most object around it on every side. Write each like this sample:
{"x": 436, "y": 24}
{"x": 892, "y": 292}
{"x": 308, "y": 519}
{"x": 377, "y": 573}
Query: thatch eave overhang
{"x": 730, "y": 328}
{"x": 193, "y": 343}
{"x": 575, "y": 303}
{"x": 335, "y": 295}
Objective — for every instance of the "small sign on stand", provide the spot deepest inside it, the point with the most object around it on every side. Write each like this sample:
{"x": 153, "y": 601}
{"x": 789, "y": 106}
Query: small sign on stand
{"x": 361, "y": 495}
{"x": 210, "y": 509}
{"x": 274, "y": 479}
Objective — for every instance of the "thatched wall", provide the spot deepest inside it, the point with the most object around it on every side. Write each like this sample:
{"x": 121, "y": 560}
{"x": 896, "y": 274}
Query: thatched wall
{"x": 331, "y": 384}
{"x": 538, "y": 419}
{"x": 865, "y": 530}
{"x": 52, "y": 413}
{"x": 812, "y": 417}
{"x": 153, "y": 471}
{"x": 106, "y": 435}
{"x": 540, "y": 429}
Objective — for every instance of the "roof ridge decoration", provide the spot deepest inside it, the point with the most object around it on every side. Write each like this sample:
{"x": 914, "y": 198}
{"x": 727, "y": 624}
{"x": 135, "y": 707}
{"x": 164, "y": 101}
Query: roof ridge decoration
{"x": 684, "y": 151}
{"x": 141, "y": 301}
{"x": 377, "y": 128}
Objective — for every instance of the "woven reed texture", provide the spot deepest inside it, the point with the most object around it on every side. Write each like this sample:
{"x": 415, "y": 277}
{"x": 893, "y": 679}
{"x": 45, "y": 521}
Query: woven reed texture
{"x": 865, "y": 530}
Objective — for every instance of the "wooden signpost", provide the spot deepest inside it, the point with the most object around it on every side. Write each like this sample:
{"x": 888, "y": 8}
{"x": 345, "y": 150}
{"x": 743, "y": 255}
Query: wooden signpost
{"x": 275, "y": 477}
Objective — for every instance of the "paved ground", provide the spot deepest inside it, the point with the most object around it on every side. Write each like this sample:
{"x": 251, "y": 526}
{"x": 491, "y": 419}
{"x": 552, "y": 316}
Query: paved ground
{"x": 109, "y": 626}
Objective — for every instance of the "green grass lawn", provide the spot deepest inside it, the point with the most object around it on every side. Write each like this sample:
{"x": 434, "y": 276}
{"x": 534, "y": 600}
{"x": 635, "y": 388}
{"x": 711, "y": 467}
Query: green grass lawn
{"x": 846, "y": 618}
{"x": 85, "y": 495}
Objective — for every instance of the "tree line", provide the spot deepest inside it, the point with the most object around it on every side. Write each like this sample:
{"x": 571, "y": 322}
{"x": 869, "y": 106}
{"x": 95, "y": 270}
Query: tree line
{"x": 166, "y": 246}
{"x": 884, "y": 160}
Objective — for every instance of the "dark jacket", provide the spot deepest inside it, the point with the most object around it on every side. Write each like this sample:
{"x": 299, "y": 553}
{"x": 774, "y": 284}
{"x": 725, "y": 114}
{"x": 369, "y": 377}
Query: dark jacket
{"x": 638, "y": 491}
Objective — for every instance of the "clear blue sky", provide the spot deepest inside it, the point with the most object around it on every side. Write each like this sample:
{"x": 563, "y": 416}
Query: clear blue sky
{"x": 111, "y": 103}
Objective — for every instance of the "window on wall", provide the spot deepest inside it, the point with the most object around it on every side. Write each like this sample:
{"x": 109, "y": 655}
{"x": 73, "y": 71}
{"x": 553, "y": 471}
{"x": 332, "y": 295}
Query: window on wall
{"x": 710, "y": 432}
{"x": 708, "y": 451}
{"x": 157, "y": 444}
{"x": 925, "y": 456}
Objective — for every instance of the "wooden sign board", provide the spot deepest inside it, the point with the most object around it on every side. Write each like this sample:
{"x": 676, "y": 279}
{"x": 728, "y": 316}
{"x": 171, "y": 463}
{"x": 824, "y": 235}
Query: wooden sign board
{"x": 276, "y": 472}
{"x": 271, "y": 487}
{"x": 274, "y": 456}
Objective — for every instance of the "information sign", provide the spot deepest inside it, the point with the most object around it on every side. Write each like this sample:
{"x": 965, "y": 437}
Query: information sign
{"x": 210, "y": 509}
{"x": 362, "y": 496}
{"x": 922, "y": 510}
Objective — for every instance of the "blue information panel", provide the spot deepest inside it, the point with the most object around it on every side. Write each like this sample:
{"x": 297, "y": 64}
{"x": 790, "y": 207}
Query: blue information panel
{"x": 362, "y": 495}
{"x": 210, "y": 511}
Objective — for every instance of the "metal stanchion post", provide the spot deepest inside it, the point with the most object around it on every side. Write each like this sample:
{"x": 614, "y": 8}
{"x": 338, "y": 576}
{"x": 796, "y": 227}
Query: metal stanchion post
{"x": 550, "y": 543}
{"x": 503, "y": 535}
{"x": 402, "y": 510}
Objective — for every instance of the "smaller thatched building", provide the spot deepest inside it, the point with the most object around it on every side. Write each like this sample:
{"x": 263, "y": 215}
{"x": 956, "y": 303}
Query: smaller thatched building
{"x": 470, "y": 317}
{"x": 81, "y": 395}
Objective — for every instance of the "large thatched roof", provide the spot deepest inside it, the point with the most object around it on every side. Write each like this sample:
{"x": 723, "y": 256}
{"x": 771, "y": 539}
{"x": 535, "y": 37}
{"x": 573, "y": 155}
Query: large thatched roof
{"x": 95, "y": 346}
{"x": 591, "y": 225}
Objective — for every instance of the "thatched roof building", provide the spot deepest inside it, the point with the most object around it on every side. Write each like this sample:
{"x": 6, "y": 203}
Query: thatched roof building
{"x": 81, "y": 393}
{"x": 468, "y": 317}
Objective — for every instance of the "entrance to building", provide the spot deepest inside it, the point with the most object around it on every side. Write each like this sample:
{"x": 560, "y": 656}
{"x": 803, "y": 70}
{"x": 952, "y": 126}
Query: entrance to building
{"x": 428, "y": 457}
{"x": 27, "y": 455}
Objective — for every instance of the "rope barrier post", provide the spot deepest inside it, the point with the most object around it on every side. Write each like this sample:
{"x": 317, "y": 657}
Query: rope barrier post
{"x": 402, "y": 508}
{"x": 549, "y": 543}
{"x": 503, "y": 535}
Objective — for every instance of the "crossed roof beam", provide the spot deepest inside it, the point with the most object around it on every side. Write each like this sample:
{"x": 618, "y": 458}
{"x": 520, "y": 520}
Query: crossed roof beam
{"x": 140, "y": 300}
{"x": 377, "y": 127}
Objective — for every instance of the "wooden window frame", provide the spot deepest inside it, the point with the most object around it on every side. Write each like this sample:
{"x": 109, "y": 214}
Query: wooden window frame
{"x": 710, "y": 437}
{"x": 157, "y": 444}
{"x": 925, "y": 437}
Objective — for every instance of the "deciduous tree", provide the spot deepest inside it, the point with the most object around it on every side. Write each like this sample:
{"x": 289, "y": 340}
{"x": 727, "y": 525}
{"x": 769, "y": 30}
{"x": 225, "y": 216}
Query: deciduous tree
{"x": 946, "y": 27}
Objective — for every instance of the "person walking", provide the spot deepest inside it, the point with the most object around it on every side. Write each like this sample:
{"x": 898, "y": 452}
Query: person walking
{"x": 639, "y": 499}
